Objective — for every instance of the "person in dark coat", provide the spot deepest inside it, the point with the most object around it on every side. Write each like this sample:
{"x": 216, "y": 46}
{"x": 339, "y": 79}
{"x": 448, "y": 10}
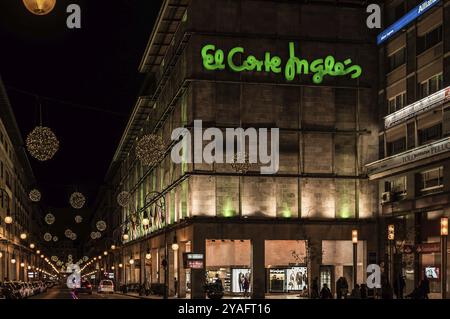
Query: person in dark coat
{"x": 325, "y": 293}
{"x": 364, "y": 291}
{"x": 399, "y": 286}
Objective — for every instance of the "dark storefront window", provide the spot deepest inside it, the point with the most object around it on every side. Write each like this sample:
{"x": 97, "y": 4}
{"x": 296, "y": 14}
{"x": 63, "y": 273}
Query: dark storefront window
{"x": 396, "y": 146}
{"x": 430, "y": 134}
{"x": 431, "y": 181}
{"x": 430, "y": 39}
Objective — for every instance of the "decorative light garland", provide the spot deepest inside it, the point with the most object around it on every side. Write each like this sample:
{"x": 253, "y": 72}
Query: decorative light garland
{"x": 123, "y": 198}
{"x": 49, "y": 219}
{"x": 35, "y": 195}
{"x": 101, "y": 225}
{"x": 241, "y": 162}
{"x": 42, "y": 143}
{"x": 150, "y": 149}
{"x": 77, "y": 200}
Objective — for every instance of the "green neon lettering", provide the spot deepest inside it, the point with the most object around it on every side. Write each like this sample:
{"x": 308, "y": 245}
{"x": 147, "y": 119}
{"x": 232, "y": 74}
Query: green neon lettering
{"x": 294, "y": 65}
{"x": 272, "y": 64}
{"x": 215, "y": 60}
{"x": 212, "y": 62}
{"x": 231, "y": 64}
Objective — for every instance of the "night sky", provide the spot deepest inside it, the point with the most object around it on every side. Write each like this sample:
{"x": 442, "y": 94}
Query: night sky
{"x": 95, "y": 67}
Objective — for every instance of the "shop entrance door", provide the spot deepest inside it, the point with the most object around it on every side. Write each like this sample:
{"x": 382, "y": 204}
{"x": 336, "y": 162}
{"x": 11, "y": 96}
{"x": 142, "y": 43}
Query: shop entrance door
{"x": 327, "y": 277}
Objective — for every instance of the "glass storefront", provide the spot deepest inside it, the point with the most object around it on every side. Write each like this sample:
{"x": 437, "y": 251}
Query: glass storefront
{"x": 291, "y": 279}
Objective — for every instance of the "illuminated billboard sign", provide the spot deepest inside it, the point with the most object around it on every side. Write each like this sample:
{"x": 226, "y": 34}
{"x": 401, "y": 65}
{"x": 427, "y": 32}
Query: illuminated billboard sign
{"x": 215, "y": 59}
{"x": 406, "y": 19}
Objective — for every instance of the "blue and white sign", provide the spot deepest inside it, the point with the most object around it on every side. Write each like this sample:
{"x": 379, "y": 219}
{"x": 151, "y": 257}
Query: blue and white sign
{"x": 406, "y": 19}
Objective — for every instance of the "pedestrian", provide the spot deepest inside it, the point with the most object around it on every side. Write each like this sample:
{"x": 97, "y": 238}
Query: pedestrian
{"x": 356, "y": 292}
{"x": 339, "y": 288}
{"x": 315, "y": 288}
{"x": 246, "y": 286}
{"x": 386, "y": 291}
{"x": 175, "y": 286}
{"x": 399, "y": 286}
{"x": 218, "y": 281}
{"x": 325, "y": 293}
{"x": 364, "y": 291}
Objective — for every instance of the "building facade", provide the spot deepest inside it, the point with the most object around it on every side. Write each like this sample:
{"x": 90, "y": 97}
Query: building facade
{"x": 413, "y": 170}
{"x": 280, "y": 230}
{"x": 17, "y": 259}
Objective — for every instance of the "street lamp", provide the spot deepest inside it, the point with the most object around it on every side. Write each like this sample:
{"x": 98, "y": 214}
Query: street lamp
{"x": 23, "y": 236}
{"x": 444, "y": 234}
{"x": 8, "y": 219}
{"x": 13, "y": 259}
{"x": 125, "y": 237}
{"x": 391, "y": 238}
{"x": 148, "y": 255}
{"x": 355, "y": 255}
{"x": 113, "y": 247}
{"x": 105, "y": 253}
{"x": 175, "y": 245}
{"x": 131, "y": 260}
{"x": 120, "y": 265}
{"x": 32, "y": 246}
{"x": 38, "y": 251}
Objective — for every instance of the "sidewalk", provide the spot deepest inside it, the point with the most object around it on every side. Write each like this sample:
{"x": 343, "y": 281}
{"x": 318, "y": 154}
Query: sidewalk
{"x": 136, "y": 295}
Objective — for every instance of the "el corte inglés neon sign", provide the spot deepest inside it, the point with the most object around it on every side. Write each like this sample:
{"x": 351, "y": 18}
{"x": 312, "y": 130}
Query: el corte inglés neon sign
{"x": 215, "y": 59}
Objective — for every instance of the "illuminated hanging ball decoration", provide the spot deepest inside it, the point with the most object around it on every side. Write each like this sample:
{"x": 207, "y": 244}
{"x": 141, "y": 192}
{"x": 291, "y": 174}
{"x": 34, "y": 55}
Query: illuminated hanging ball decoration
{"x": 123, "y": 198}
{"x": 59, "y": 263}
{"x": 40, "y": 7}
{"x": 68, "y": 233}
{"x": 73, "y": 236}
{"x": 55, "y": 238}
{"x": 77, "y": 200}
{"x": 241, "y": 163}
{"x": 49, "y": 219}
{"x": 35, "y": 195}
{"x": 98, "y": 234}
{"x": 101, "y": 225}
{"x": 54, "y": 258}
{"x": 47, "y": 237}
{"x": 150, "y": 149}
{"x": 94, "y": 235}
{"x": 78, "y": 219}
{"x": 85, "y": 258}
{"x": 42, "y": 143}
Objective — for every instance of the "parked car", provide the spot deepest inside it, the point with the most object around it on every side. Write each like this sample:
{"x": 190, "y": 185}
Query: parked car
{"x": 85, "y": 287}
{"x": 106, "y": 286}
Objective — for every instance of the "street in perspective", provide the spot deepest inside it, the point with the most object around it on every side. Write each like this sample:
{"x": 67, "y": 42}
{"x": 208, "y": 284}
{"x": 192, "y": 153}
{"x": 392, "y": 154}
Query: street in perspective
{"x": 228, "y": 150}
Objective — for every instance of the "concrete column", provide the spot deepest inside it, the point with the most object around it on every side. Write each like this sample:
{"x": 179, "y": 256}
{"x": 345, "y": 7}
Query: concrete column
{"x": 258, "y": 269}
{"x": 198, "y": 275}
{"x": 315, "y": 260}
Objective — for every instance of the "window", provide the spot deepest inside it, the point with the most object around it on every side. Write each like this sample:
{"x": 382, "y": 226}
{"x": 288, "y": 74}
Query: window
{"x": 396, "y": 59}
{"x": 432, "y": 85}
{"x": 431, "y": 181}
{"x": 396, "y": 185}
{"x": 397, "y": 102}
{"x": 430, "y": 134}
{"x": 396, "y": 146}
{"x": 430, "y": 39}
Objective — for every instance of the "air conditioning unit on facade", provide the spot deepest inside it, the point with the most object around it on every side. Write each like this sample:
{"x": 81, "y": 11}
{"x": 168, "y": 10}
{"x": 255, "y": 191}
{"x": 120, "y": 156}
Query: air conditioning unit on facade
{"x": 386, "y": 197}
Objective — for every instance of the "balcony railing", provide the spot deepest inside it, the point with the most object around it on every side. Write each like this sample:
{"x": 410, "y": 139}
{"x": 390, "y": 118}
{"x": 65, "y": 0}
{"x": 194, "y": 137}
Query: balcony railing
{"x": 428, "y": 103}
